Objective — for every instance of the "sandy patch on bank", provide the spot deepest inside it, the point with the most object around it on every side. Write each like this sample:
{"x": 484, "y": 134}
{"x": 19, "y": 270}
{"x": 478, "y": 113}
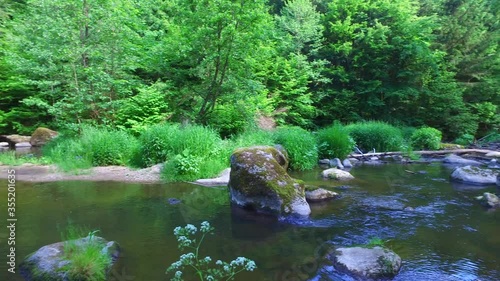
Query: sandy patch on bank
{"x": 39, "y": 173}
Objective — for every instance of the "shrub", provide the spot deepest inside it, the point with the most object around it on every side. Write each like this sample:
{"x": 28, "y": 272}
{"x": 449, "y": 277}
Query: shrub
{"x": 253, "y": 137}
{"x": 426, "y": 138}
{"x": 203, "y": 268}
{"x": 154, "y": 144}
{"x": 465, "y": 139}
{"x": 92, "y": 147}
{"x": 300, "y": 145}
{"x": 375, "y": 135}
{"x": 334, "y": 141}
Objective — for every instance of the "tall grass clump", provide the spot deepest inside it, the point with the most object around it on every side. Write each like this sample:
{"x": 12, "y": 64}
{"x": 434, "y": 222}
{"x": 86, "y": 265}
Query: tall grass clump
{"x": 376, "y": 135}
{"x": 92, "y": 147}
{"x": 426, "y": 138}
{"x": 189, "y": 152}
{"x": 252, "y": 137}
{"x": 334, "y": 141}
{"x": 300, "y": 145}
{"x": 87, "y": 260}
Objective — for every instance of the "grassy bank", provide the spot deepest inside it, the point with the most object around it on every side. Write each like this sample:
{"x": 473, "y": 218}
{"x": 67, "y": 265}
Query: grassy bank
{"x": 192, "y": 152}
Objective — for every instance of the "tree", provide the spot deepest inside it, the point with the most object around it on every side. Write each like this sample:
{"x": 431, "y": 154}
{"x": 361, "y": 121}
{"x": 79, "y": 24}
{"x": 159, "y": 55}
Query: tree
{"x": 78, "y": 55}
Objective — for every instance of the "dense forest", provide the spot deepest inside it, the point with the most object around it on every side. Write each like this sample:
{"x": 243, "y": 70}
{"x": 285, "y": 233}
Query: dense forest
{"x": 128, "y": 64}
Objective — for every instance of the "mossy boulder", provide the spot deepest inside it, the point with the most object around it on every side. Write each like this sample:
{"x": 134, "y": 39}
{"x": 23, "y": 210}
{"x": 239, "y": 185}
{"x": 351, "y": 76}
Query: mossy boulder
{"x": 49, "y": 262}
{"x": 41, "y": 136}
{"x": 367, "y": 263}
{"x": 259, "y": 181}
{"x": 475, "y": 175}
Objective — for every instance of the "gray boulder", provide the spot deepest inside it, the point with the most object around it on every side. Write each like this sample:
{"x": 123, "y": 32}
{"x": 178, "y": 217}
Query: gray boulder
{"x": 4, "y": 144}
{"x": 314, "y": 194}
{"x": 336, "y": 163}
{"x": 259, "y": 181}
{"x": 367, "y": 263}
{"x": 474, "y": 175}
{"x": 498, "y": 180}
{"x": 455, "y": 159}
{"x": 22, "y": 144}
{"x": 49, "y": 262}
{"x": 324, "y": 161}
{"x": 41, "y": 136}
{"x": 347, "y": 163}
{"x": 494, "y": 164}
{"x": 337, "y": 174}
{"x": 489, "y": 200}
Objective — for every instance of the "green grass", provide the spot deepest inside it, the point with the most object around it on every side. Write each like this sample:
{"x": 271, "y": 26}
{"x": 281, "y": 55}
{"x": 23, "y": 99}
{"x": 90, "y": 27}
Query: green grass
{"x": 376, "y": 135}
{"x": 334, "y": 141}
{"x": 86, "y": 260}
{"x": 10, "y": 158}
{"x": 92, "y": 147}
{"x": 300, "y": 145}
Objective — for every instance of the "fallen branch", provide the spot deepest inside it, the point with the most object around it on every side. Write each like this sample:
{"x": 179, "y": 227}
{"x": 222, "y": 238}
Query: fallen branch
{"x": 426, "y": 152}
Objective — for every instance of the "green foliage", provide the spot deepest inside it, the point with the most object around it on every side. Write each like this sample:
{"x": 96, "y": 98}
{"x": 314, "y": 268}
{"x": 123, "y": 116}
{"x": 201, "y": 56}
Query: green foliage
{"x": 253, "y": 137}
{"x": 374, "y": 242}
{"x": 147, "y": 108}
{"x": 376, "y": 135}
{"x": 202, "y": 267}
{"x": 465, "y": 139}
{"x": 231, "y": 119}
{"x": 87, "y": 261}
{"x": 91, "y": 147}
{"x": 10, "y": 158}
{"x": 300, "y": 145}
{"x": 426, "y": 138}
{"x": 334, "y": 141}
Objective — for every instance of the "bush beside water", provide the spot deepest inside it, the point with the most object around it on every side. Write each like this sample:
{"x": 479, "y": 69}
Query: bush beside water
{"x": 426, "y": 138}
{"x": 376, "y": 135}
{"x": 334, "y": 141}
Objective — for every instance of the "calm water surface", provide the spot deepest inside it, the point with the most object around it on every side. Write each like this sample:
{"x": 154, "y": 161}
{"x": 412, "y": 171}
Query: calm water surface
{"x": 447, "y": 236}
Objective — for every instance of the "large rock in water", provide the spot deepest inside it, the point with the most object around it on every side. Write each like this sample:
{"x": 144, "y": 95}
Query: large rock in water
{"x": 474, "y": 175}
{"x": 367, "y": 263}
{"x": 259, "y": 181}
{"x": 457, "y": 160}
{"x": 337, "y": 174}
{"x": 41, "y": 136}
{"x": 48, "y": 263}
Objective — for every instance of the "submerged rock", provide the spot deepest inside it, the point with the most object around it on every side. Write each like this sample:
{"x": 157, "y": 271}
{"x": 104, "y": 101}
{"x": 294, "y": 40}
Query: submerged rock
{"x": 41, "y": 136}
{"x": 474, "y": 175}
{"x": 367, "y": 263}
{"x": 48, "y": 262}
{"x": 259, "y": 181}
{"x": 319, "y": 194}
{"x": 489, "y": 200}
{"x": 455, "y": 159}
{"x": 337, "y": 174}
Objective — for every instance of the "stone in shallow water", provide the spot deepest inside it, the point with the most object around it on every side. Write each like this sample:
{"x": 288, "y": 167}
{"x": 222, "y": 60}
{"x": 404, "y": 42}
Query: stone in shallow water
{"x": 474, "y": 175}
{"x": 455, "y": 159}
{"x": 320, "y": 194}
{"x": 48, "y": 262}
{"x": 376, "y": 262}
{"x": 259, "y": 181}
{"x": 489, "y": 200}
{"x": 336, "y": 174}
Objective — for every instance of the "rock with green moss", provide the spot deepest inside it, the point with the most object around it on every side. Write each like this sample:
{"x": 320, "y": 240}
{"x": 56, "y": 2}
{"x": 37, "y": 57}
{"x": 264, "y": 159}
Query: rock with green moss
{"x": 367, "y": 263}
{"x": 316, "y": 194}
{"x": 259, "y": 181}
{"x": 337, "y": 174}
{"x": 51, "y": 262}
{"x": 41, "y": 136}
{"x": 475, "y": 175}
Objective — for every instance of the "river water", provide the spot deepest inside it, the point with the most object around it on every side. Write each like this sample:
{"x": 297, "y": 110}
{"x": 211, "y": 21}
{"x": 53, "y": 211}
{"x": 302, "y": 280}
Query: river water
{"x": 436, "y": 227}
